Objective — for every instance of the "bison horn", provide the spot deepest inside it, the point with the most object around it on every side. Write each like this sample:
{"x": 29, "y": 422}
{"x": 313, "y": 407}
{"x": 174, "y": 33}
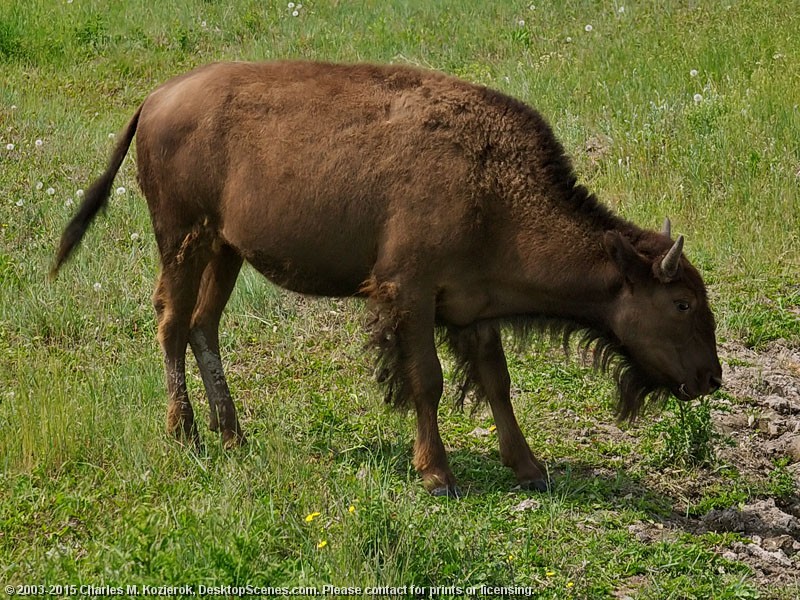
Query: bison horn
{"x": 669, "y": 264}
{"x": 666, "y": 229}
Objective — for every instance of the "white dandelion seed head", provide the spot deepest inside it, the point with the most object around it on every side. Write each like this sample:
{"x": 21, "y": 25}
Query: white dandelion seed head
{"x": 569, "y": 39}
{"x": 39, "y": 143}
{"x": 50, "y": 191}
{"x": 79, "y": 194}
{"x": 621, "y": 9}
{"x": 588, "y": 28}
{"x": 295, "y": 13}
{"x": 39, "y": 185}
{"x": 97, "y": 286}
{"x": 290, "y": 6}
{"x": 532, "y": 7}
{"x": 120, "y": 190}
{"x": 203, "y": 24}
{"x": 13, "y": 107}
{"x": 521, "y": 23}
{"x": 698, "y": 98}
{"x": 69, "y": 202}
{"x": 9, "y": 146}
{"x": 134, "y": 236}
{"x": 19, "y": 202}
{"x": 111, "y": 136}
{"x": 693, "y": 73}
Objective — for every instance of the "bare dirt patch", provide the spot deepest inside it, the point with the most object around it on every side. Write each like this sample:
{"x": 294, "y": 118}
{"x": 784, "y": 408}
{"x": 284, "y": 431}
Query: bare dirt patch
{"x": 762, "y": 420}
{"x": 757, "y": 419}
{"x": 759, "y": 423}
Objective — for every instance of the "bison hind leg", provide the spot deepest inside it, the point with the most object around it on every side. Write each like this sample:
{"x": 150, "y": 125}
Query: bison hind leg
{"x": 216, "y": 287}
{"x": 174, "y": 300}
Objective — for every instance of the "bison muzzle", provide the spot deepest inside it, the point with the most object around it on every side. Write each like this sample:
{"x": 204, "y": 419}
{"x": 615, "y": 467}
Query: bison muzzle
{"x": 449, "y": 206}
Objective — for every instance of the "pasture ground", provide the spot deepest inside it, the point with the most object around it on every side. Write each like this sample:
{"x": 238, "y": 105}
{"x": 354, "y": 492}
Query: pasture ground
{"x": 685, "y": 109}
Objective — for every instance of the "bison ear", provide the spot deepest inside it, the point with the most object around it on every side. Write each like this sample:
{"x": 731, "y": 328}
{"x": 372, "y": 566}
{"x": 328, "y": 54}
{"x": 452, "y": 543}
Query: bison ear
{"x": 628, "y": 261}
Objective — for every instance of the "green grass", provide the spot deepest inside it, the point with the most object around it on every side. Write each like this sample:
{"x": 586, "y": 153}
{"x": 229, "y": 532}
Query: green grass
{"x": 93, "y": 492}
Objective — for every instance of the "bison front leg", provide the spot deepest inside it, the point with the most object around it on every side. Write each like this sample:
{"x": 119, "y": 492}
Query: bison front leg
{"x": 403, "y": 331}
{"x": 424, "y": 383}
{"x": 480, "y": 350}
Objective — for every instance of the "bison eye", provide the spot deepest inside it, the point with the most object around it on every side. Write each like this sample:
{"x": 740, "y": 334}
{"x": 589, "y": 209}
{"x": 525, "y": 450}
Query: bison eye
{"x": 682, "y": 305}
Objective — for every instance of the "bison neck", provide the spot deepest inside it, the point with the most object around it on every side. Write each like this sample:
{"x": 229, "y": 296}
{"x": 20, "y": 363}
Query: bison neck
{"x": 574, "y": 281}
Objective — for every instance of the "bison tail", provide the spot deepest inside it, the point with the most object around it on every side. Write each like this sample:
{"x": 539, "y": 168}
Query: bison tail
{"x": 95, "y": 198}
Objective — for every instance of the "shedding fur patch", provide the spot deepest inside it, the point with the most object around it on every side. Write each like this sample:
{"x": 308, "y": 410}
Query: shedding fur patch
{"x": 383, "y": 328}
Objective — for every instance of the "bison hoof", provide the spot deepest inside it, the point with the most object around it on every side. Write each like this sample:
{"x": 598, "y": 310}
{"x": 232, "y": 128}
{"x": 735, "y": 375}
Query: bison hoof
{"x": 534, "y": 485}
{"x": 451, "y": 491}
{"x": 231, "y": 440}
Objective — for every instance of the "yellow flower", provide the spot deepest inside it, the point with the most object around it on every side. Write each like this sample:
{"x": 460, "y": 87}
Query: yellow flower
{"x": 312, "y": 516}
{"x": 570, "y": 584}
{"x": 550, "y": 573}
{"x": 322, "y": 544}
{"x": 351, "y": 509}
{"x": 492, "y": 428}
{"x": 510, "y": 557}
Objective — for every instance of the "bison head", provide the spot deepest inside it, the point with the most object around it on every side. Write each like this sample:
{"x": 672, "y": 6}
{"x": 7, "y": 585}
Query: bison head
{"x": 661, "y": 321}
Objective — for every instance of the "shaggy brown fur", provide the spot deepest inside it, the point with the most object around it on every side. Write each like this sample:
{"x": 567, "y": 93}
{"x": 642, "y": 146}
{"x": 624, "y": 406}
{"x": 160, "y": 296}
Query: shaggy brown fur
{"x": 446, "y": 204}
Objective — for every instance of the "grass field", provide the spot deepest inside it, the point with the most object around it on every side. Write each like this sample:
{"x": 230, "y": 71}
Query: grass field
{"x": 687, "y": 109}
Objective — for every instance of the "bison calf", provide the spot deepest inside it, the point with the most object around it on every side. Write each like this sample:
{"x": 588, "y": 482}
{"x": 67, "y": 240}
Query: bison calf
{"x": 445, "y": 204}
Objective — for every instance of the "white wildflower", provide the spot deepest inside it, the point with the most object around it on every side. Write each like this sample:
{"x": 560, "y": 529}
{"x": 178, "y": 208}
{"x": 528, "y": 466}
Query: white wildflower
{"x": 621, "y": 9}
{"x": 693, "y": 73}
{"x": 50, "y": 191}
{"x": 295, "y": 13}
{"x": 97, "y": 286}
{"x": 79, "y": 194}
{"x": 19, "y": 202}
{"x": 569, "y": 39}
{"x": 13, "y": 107}
{"x": 698, "y": 98}
{"x": 521, "y": 22}
{"x": 588, "y": 28}
{"x": 9, "y": 146}
{"x": 120, "y": 190}
{"x": 39, "y": 143}
{"x": 134, "y": 237}
{"x": 111, "y": 136}
{"x": 39, "y": 185}
{"x": 69, "y": 202}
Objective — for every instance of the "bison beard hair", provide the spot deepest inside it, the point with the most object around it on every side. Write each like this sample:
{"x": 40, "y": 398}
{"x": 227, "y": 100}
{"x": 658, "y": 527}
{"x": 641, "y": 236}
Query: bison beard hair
{"x": 636, "y": 391}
